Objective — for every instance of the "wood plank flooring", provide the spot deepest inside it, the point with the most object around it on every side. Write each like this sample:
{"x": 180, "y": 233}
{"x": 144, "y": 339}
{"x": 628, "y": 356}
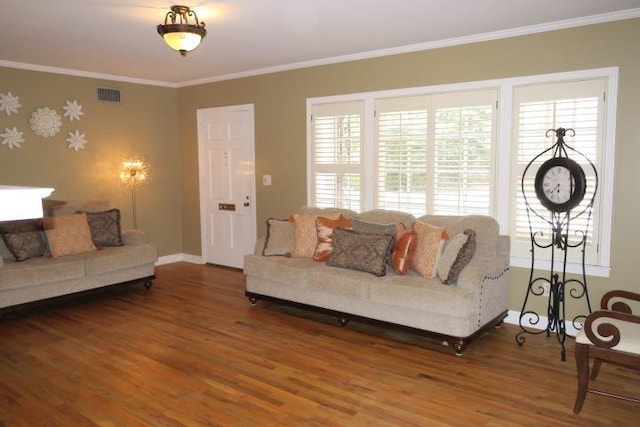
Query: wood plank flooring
{"x": 193, "y": 352}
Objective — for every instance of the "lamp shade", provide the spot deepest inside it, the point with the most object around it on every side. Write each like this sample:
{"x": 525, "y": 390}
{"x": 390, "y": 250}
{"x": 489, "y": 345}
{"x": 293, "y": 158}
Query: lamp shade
{"x": 178, "y": 33}
{"x": 182, "y": 40}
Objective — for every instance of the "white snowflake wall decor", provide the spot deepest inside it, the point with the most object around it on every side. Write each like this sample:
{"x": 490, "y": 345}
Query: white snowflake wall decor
{"x": 9, "y": 103}
{"x": 76, "y": 140}
{"x": 73, "y": 110}
{"x": 12, "y": 138}
{"x": 45, "y": 122}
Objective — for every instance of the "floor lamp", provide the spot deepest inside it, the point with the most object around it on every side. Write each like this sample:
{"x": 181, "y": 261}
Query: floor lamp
{"x": 133, "y": 173}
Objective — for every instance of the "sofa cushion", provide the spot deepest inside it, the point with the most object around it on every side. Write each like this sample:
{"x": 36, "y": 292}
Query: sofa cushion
{"x": 23, "y": 238}
{"x": 338, "y": 281}
{"x": 428, "y": 249}
{"x": 280, "y": 236}
{"x": 105, "y": 228}
{"x": 413, "y": 291}
{"x": 115, "y": 258}
{"x": 38, "y": 271}
{"x": 363, "y": 252}
{"x": 457, "y": 253}
{"x": 68, "y": 234}
{"x": 325, "y": 227}
{"x": 293, "y": 271}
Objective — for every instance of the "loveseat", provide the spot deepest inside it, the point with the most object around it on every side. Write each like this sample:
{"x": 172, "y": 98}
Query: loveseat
{"x": 455, "y": 311}
{"x": 84, "y": 249}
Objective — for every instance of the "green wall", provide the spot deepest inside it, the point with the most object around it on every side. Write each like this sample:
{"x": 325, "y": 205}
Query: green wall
{"x": 144, "y": 124}
{"x": 280, "y": 104}
{"x": 159, "y": 123}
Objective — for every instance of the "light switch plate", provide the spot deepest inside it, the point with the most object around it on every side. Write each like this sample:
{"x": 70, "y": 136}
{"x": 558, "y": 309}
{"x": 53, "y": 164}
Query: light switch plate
{"x": 266, "y": 179}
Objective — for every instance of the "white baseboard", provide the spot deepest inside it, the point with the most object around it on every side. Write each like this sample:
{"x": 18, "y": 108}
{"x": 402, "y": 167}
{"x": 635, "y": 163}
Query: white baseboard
{"x": 513, "y": 317}
{"x": 170, "y": 259}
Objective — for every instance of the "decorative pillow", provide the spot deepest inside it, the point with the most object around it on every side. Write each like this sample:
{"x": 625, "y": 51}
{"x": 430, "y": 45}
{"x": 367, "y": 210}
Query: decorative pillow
{"x": 428, "y": 249}
{"x": 105, "y": 228}
{"x": 456, "y": 255}
{"x": 360, "y": 226}
{"x": 363, "y": 252}
{"x": 325, "y": 228}
{"x": 306, "y": 234}
{"x": 24, "y": 238}
{"x": 280, "y": 236}
{"x": 404, "y": 249}
{"x": 68, "y": 235}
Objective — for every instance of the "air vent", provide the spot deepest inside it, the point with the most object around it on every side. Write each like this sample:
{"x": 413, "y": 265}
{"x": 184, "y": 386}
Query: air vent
{"x": 108, "y": 95}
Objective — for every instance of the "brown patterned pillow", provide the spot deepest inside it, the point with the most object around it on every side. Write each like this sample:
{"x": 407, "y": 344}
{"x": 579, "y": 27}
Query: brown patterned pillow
{"x": 24, "y": 238}
{"x": 105, "y": 228}
{"x": 68, "y": 235}
{"x": 429, "y": 247}
{"x": 456, "y": 255}
{"x": 363, "y": 252}
{"x": 280, "y": 235}
{"x": 360, "y": 226}
{"x": 325, "y": 228}
{"x": 306, "y": 234}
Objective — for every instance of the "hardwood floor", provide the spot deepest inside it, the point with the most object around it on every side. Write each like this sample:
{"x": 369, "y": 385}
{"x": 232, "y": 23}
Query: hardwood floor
{"x": 193, "y": 352}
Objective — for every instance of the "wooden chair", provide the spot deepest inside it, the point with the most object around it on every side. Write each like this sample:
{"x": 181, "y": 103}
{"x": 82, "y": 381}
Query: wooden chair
{"x": 611, "y": 334}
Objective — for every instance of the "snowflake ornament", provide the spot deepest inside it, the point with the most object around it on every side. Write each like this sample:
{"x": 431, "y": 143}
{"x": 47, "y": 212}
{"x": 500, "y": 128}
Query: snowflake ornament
{"x": 76, "y": 140}
{"x": 9, "y": 103}
{"x": 45, "y": 122}
{"x": 73, "y": 111}
{"x": 12, "y": 138}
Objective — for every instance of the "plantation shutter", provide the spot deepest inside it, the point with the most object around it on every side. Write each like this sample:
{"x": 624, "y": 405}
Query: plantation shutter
{"x": 336, "y": 155}
{"x": 577, "y": 105}
{"x": 464, "y": 153}
{"x": 435, "y": 153}
{"x": 401, "y": 154}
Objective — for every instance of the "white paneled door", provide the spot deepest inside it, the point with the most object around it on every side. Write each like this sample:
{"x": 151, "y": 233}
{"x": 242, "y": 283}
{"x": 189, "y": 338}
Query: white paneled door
{"x": 227, "y": 184}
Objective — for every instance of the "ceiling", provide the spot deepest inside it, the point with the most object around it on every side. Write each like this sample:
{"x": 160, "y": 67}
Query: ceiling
{"x": 118, "y": 39}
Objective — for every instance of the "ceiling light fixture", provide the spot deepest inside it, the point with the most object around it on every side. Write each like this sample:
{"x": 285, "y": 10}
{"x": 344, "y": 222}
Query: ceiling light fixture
{"x": 178, "y": 33}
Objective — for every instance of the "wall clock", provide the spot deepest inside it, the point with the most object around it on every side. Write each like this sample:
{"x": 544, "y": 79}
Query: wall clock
{"x": 560, "y": 184}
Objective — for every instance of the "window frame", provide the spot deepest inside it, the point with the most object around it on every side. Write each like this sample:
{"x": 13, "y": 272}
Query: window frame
{"x": 503, "y": 175}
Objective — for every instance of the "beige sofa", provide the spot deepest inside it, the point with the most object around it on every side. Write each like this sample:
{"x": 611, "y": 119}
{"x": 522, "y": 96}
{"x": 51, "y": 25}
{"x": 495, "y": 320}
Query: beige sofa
{"x": 456, "y": 313}
{"x": 41, "y": 278}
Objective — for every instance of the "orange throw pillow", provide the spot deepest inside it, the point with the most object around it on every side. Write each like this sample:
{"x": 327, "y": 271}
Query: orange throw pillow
{"x": 325, "y": 228}
{"x": 430, "y": 243}
{"x": 404, "y": 249}
{"x": 68, "y": 235}
{"x": 306, "y": 234}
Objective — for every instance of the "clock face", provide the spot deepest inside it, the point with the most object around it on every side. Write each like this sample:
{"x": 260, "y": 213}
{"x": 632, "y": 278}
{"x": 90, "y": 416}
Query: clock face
{"x": 560, "y": 184}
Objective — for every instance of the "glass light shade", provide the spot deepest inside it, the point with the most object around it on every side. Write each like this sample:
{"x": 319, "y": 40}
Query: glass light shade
{"x": 133, "y": 172}
{"x": 182, "y": 41}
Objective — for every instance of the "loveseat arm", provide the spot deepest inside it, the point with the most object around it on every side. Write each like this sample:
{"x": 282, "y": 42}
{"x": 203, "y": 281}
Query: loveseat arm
{"x": 477, "y": 271}
{"x": 134, "y": 237}
{"x": 258, "y": 248}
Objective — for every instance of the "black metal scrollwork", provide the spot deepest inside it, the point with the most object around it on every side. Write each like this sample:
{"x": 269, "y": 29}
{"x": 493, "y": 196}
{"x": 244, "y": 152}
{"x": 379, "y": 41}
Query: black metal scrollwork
{"x": 556, "y": 242}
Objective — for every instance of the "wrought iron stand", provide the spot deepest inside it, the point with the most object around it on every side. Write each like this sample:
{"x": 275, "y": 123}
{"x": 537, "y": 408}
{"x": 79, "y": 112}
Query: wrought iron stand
{"x": 558, "y": 240}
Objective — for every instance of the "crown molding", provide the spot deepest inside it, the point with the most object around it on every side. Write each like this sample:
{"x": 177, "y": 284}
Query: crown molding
{"x": 476, "y": 38}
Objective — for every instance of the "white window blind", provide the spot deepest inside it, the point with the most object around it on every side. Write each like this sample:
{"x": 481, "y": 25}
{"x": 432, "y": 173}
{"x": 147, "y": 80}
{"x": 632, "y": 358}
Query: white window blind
{"x": 574, "y": 105}
{"x": 435, "y": 153}
{"x": 402, "y": 154}
{"x": 464, "y": 155}
{"x": 336, "y": 154}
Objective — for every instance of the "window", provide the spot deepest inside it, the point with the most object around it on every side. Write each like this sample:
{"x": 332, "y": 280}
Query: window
{"x": 461, "y": 149}
{"x": 577, "y": 105}
{"x": 336, "y": 157}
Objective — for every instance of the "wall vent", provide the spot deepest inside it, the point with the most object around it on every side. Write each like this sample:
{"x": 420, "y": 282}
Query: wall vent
{"x": 109, "y": 95}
